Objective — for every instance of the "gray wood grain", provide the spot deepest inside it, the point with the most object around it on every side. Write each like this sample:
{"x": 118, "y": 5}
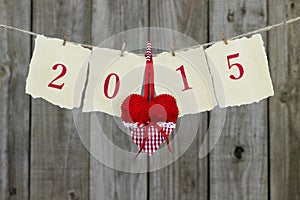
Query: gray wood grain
{"x": 52, "y": 163}
{"x": 238, "y": 162}
{"x": 284, "y": 47}
{"x": 14, "y": 103}
{"x": 110, "y": 18}
{"x": 59, "y": 161}
{"x": 186, "y": 178}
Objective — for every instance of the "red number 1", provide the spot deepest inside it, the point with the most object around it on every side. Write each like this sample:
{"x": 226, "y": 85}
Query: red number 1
{"x": 184, "y": 79}
{"x": 238, "y": 65}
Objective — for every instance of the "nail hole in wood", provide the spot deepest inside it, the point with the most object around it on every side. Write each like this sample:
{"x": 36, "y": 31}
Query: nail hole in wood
{"x": 12, "y": 191}
{"x": 262, "y": 14}
{"x": 230, "y": 16}
{"x": 238, "y": 152}
{"x": 73, "y": 195}
{"x": 292, "y": 5}
{"x": 243, "y": 11}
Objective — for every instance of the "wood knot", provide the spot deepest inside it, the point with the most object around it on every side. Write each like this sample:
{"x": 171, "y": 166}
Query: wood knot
{"x": 230, "y": 16}
{"x": 4, "y": 70}
{"x": 238, "y": 152}
{"x": 73, "y": 195}
{"x": 284, "y": 97}
{"x": 12, "y": 191}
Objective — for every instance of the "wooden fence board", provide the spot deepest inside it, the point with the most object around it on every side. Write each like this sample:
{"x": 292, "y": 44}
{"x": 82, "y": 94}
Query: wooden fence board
{"x": 110, "y": 18}
{"x": 284, "y": 48}
{"x": 42, "y": 157}
{"x": 14, "y": 103}
{"x": 238, "y": 163}
{"x": 59, "y": 161}
{"x": 186, "y": 178}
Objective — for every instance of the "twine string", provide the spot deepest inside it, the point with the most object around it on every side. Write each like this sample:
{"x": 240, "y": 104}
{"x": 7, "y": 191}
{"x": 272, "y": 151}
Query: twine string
{"x": 264, "y": 29}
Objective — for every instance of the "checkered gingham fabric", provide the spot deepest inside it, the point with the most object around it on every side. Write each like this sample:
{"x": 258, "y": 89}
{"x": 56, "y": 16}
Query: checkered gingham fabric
{"x": 155, "y": 138}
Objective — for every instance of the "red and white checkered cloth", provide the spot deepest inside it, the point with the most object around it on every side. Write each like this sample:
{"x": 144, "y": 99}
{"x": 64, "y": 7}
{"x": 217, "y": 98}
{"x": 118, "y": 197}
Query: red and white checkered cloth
{"x": 155, "y": 138}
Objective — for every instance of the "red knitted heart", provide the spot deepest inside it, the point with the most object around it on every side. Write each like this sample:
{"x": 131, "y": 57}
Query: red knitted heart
{"x": 168, "y": 102}
{"x": 157, "y": 112}
{"x": 135, "y": 109}
{"x": 163, "y": 108}
{"x": 156, "y": 120}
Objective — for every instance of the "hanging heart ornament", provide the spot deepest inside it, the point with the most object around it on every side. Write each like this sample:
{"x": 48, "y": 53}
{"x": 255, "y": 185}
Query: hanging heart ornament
{"x": 149, "y": 119}
{"x": 150, "y": 123}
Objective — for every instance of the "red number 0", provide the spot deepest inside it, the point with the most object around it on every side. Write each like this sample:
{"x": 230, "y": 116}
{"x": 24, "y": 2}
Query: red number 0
{"x": 117, "y": 87}
{"x": 238, "y": 65}
{"x": 184, "y": 79}
{"x": 63, "y": 72}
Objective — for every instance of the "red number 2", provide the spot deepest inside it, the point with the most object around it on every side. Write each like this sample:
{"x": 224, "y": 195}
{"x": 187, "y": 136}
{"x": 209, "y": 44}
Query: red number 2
{"x": 238, "y": 65}
{"x": 117, "y": 86}
{"x": 184, "y": 79}
{"x": 63, "y": 72}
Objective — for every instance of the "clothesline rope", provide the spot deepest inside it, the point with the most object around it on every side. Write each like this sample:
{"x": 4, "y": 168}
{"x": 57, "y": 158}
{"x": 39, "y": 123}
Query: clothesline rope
{"x": 264, "y": 29}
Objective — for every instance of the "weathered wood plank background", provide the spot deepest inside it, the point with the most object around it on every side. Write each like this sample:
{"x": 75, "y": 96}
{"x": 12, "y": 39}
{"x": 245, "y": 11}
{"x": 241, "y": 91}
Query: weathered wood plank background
{"x": 234, "y": 176}
{"x": 257, "y": 156}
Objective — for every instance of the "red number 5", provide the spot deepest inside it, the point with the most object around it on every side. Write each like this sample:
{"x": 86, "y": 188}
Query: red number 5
{"x": 63, "y": 72}
{"x": 238, "y": 65}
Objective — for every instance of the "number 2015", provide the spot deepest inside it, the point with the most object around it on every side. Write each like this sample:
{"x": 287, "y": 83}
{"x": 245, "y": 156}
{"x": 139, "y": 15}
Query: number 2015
{"x": 107, "y": 81}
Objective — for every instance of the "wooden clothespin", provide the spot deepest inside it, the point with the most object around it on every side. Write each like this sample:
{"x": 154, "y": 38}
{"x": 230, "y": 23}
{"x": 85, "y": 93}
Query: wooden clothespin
{"x": 65, "y": 38}
{"x": 123, "y": 49}
{"x": 224, "y": 38}
{"x": 173, "y": 49}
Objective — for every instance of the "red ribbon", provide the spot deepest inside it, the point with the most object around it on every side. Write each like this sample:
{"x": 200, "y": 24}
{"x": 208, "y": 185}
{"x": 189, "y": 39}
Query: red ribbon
{"x": 149, "y": 84}
{"x": 149, "y": 74}
{"x": 146, "y": 135}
